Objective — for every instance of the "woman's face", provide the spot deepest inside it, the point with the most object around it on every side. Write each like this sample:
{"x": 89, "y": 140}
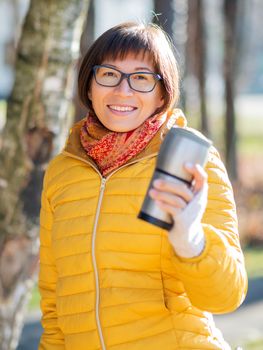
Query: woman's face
{"x": 121, "y": 108}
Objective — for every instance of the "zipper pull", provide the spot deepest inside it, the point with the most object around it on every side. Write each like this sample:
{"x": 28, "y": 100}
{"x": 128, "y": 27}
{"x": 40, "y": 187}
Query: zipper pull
{"x": 102, "y": 185}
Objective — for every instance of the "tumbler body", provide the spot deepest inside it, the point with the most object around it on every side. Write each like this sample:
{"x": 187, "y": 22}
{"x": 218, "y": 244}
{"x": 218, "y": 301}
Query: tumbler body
{"x": 179, "y": 146}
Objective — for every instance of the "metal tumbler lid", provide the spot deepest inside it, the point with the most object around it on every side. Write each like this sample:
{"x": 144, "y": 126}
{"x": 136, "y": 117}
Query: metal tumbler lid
{"x": 180, "y": 146}
{"x": 194, "y": 135}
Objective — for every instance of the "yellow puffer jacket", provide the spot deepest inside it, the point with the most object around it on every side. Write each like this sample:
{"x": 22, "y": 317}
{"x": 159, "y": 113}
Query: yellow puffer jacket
{"x": 111, "y": 281}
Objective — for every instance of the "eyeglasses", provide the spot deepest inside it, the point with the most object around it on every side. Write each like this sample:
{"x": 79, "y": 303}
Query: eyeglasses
{"x": 138, "y": 81}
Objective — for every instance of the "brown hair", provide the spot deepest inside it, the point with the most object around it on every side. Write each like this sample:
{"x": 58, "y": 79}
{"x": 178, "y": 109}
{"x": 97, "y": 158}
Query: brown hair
{"x": 126, "y": 38}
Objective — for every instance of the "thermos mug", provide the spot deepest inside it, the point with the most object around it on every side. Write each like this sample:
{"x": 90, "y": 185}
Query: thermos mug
{"x": 179, "y": 146}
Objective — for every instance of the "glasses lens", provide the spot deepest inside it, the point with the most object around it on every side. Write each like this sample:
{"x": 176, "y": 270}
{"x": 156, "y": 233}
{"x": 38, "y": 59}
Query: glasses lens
{"x": 107, "y": 76}
{"x": 143, "y": 82}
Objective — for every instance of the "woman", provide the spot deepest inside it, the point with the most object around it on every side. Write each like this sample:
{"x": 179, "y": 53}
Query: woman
{"x": 109, "y": 280}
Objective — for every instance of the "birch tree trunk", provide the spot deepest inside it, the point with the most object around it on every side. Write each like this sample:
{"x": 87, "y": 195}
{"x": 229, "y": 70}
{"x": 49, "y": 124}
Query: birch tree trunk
{"x": 37, "y": 115}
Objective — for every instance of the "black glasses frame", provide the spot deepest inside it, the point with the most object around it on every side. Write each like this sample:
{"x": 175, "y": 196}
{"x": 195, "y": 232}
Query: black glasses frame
{"x": 127, "y": 76}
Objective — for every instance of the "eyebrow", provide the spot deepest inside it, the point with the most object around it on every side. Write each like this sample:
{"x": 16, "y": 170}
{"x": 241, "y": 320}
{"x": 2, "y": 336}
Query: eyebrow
{"x": 137, "y": 68}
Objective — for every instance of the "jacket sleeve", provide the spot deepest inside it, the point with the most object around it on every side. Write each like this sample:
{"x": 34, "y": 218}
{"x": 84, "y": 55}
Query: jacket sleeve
{"x": 52, "y": 337}
{"x": 216, "y": 280}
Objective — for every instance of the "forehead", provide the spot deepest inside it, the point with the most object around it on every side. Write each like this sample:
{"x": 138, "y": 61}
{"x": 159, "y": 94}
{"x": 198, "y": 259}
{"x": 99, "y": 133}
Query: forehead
{"x": 132, "y": 59}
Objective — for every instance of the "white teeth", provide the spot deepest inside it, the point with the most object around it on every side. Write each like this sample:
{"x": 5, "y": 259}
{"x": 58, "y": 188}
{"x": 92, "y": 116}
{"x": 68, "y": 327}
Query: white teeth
{"x": 122, "y": 109}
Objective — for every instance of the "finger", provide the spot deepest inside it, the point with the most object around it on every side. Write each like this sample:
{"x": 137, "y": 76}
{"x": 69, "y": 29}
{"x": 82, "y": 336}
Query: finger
{"x": 169, "y": 209}
{"x": 179, "y": 189}
{"x": 199, "y": 175}
{"x": 168, "y": 198}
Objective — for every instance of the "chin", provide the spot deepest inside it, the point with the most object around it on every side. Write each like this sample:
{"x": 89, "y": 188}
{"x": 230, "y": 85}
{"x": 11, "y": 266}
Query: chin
{"x": 121, "y": 128}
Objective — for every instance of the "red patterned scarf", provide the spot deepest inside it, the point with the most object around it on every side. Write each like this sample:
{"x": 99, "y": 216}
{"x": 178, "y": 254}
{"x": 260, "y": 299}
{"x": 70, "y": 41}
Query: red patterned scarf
{"x": 110, "y": 149}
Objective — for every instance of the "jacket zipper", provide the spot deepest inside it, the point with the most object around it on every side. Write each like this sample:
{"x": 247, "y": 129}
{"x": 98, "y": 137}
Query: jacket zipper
{"x": 93, "y": 252}
{"x": 94, "y": 234}
{"x": 96, "y": 274}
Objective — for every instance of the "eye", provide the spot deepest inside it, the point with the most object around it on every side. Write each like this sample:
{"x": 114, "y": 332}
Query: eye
{"x": 104, "y": 72}
{"x": 109, "y": 74}
{"x": 140, "y": 77}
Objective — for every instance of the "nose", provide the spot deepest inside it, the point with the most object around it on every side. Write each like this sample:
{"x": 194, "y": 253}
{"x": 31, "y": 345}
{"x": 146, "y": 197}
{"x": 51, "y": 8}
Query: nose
{"x": 123, "y": 88}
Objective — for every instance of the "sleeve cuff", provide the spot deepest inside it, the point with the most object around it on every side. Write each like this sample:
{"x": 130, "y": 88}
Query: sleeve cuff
{"x": 193, "y": 247}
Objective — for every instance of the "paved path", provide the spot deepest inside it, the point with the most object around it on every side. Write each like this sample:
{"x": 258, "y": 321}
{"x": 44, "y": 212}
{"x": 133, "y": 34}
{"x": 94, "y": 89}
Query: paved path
{"x": 31, "y": 333}
{"x": 242, "y": 325}
{"x": 246, "y": 323}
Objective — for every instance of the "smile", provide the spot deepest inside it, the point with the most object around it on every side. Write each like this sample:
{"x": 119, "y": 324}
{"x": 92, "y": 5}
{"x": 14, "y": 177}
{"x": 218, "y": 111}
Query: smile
{"x": 122, "y": 108}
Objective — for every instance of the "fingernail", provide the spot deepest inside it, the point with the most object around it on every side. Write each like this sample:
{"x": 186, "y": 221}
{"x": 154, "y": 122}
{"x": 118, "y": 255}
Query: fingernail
{"x": 157, "y": 183}
{"x": 152, "y": 192}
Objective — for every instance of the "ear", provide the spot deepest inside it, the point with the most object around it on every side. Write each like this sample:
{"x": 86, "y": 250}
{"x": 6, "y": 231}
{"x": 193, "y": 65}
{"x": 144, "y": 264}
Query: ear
{"x": 161, "y": 102}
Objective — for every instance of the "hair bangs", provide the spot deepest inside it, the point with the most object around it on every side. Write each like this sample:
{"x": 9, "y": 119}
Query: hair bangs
{"x": 123, "y": 44}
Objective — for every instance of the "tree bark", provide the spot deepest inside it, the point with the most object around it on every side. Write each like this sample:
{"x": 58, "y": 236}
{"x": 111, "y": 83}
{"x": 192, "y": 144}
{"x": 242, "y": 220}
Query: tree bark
{"x": 230, "y": 11}
{"x": 37, "y": 111}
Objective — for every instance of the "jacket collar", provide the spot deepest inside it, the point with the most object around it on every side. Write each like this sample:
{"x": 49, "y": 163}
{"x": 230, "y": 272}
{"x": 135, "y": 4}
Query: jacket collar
{"x": 74, "y": 148}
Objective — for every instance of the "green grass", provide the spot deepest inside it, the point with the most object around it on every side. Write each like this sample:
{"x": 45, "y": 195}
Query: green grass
{"x": 35, "y": 299}
{"x": 254, "y": 345}
{"x": 2, "y": 112}
{"x": 2, "y": 106}
{"x": 254, "y": 258}
{"x": 250, "y": 145}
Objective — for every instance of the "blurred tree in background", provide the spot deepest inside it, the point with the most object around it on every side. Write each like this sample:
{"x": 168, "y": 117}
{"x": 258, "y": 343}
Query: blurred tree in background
{"x": 37, "y": 111}
{"x": 230, "y": 18}
{"x": 196, "y": 56}
{"x": 164, "y": 14}
{"x": 87, "y": 38}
